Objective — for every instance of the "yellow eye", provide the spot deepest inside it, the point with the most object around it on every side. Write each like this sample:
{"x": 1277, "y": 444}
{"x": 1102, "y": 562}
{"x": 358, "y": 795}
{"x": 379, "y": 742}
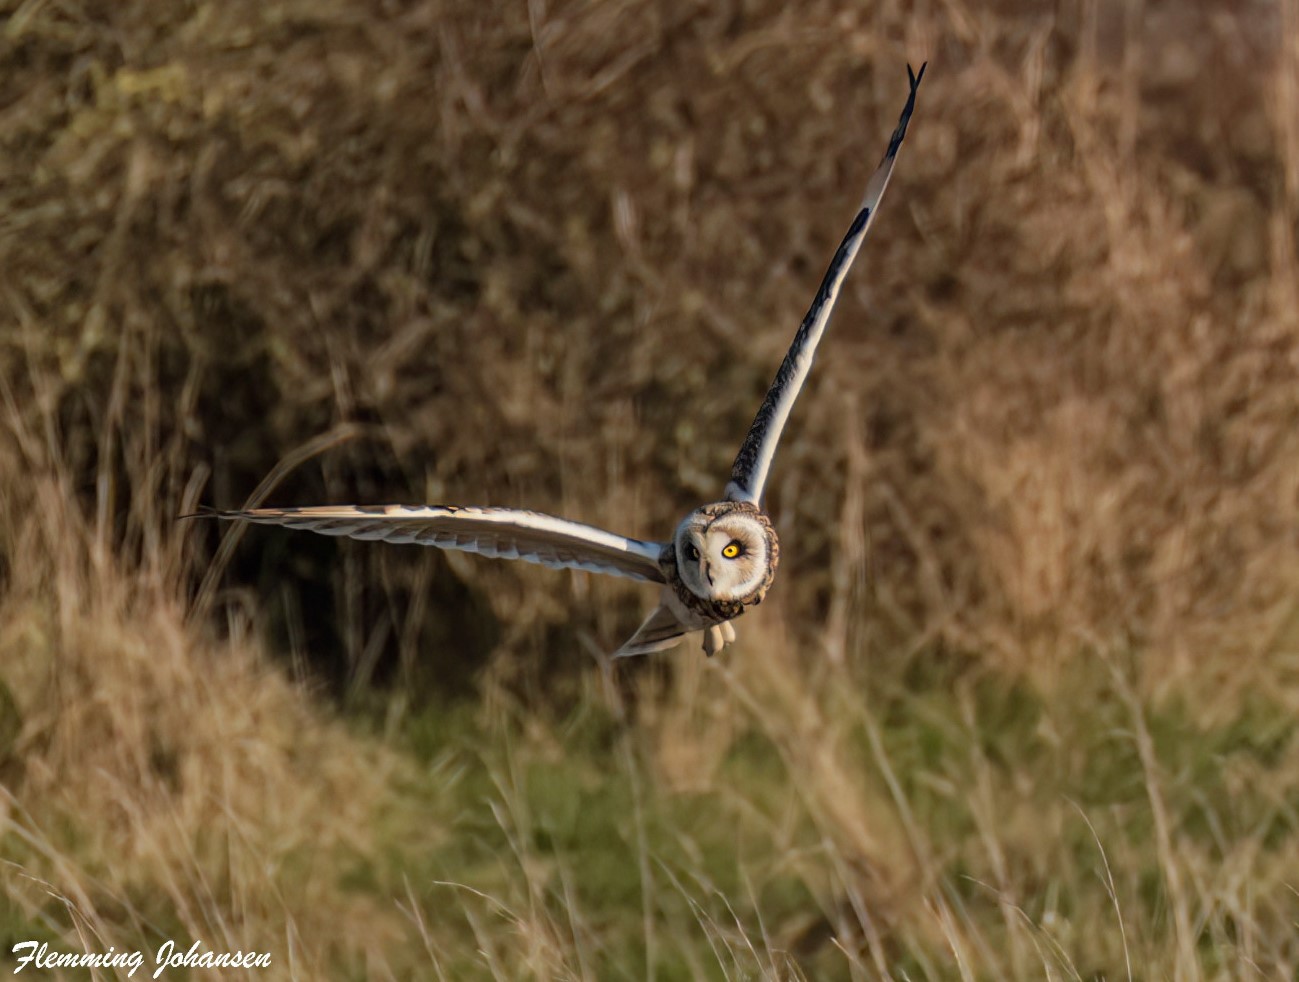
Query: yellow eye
{"x": 732, "y": 550}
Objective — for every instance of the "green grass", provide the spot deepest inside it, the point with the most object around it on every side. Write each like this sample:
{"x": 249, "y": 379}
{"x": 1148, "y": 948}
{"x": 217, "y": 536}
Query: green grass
{"x": 735, "y": 818}
{"x": 1030, "y": 816}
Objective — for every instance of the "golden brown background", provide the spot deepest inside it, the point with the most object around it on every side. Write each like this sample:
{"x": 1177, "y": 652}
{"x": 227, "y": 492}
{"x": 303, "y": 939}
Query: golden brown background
{"x": 1021, "y": 703}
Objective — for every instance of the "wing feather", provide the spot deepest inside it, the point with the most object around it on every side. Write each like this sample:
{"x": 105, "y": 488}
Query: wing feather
{"x": 752, "y": 464}
{"x": 504, "y": 533}
{"x": 658, "y": 632}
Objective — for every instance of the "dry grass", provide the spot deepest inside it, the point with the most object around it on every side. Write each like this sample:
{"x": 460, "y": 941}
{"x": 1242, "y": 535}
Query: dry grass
{"x": 1020, "y": 706}
{"x": 158, "y": 783}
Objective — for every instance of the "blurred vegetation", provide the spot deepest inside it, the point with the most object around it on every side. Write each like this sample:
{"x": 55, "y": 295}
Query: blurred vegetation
{"x": 1022, "y": 702}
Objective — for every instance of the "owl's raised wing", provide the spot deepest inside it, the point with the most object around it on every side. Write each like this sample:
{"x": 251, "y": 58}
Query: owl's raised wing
{"x": 753, "y": 462}
{"x": 504, "y": 533}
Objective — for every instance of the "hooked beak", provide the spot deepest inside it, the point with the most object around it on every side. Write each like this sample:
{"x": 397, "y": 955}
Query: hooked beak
{"x": 708, "y": 572}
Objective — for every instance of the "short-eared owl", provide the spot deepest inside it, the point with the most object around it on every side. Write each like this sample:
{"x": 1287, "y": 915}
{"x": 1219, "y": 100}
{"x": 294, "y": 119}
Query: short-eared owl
{"x": 722, "y": 557}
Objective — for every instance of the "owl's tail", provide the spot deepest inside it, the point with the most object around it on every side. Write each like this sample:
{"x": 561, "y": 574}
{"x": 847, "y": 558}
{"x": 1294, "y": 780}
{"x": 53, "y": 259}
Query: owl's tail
{"x": 660, "y": 631}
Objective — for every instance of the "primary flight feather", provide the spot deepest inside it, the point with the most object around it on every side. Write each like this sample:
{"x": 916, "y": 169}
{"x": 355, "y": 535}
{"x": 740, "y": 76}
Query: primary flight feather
{"x": 722, "y": 557}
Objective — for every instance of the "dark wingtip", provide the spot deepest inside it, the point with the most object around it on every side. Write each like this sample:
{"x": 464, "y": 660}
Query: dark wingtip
{"x": 204, "y": 511}
{"x": 914, "y": 79}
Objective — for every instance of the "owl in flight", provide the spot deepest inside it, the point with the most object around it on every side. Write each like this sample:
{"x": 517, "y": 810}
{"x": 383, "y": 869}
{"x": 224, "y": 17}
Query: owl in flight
{"x": 722, "y": 557}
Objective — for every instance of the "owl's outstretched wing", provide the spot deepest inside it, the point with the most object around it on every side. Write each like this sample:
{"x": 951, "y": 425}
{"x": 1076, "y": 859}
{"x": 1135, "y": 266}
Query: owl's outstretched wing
{"x": 658, "y": 632}
{"x": 505, "y": 533}
{"x": 752, "y": 464}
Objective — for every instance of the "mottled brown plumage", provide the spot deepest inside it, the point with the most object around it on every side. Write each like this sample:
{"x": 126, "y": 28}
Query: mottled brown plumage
{"x": 715, "y": 611}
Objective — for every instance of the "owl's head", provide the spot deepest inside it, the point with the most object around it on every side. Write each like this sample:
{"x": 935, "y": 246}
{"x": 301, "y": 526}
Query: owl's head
{"x": 727, "y": 552}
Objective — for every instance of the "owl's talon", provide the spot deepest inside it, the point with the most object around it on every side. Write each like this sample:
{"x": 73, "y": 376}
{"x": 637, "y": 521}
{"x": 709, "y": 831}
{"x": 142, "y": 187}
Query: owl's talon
{"x": 717, "y": 637}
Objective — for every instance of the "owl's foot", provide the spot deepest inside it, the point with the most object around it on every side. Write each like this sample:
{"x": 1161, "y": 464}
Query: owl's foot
{"x": 717, "y": 637}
